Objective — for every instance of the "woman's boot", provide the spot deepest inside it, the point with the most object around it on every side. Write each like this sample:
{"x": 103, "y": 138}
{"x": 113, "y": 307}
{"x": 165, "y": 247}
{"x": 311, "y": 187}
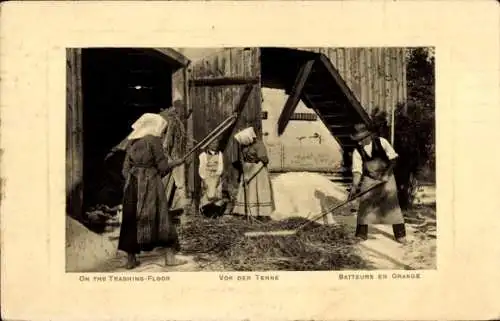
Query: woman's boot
{"x": 171, "y": 260}
{"x": 132, "y": 261}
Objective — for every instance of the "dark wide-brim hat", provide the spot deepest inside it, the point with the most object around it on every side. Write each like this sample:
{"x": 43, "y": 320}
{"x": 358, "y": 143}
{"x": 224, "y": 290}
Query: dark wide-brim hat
{"x": 360, "y": 132}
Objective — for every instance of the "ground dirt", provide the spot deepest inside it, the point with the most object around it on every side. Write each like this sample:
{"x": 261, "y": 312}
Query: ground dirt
{"x": 87, "y": 251}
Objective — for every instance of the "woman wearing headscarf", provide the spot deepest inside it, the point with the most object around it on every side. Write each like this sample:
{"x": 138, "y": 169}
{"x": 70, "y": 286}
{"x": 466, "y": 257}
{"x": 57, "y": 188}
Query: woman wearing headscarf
{"x": 147, "y": 223}
{"x": 373, "y": 161}
{"x": 255, "y": 195}
{"x": 210, "y": 170}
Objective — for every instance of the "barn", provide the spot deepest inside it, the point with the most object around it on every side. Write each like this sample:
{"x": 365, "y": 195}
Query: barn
{"x": 108, "y": 88}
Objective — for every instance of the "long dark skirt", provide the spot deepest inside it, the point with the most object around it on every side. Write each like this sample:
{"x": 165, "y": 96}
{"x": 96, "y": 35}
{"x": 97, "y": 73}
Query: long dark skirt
{"x": 129, "y": 229}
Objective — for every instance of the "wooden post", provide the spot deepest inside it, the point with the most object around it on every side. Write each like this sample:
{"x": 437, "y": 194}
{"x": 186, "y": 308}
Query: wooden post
{"x": 293, "y": 99}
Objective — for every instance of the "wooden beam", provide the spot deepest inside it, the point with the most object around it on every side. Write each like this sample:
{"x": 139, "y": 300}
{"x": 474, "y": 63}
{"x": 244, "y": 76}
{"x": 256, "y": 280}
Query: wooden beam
{"x": 224, "y": 81}
{"x": 224, "y": 140}
{"x": 293, "y": 99}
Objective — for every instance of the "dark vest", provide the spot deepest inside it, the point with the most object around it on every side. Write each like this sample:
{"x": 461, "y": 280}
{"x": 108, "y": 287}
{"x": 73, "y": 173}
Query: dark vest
{"x": 378, "y": 152}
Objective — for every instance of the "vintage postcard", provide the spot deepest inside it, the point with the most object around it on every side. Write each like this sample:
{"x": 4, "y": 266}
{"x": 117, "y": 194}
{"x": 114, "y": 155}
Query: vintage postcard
{"x": 310, "y": 163}
{"x": 271, "y": 173}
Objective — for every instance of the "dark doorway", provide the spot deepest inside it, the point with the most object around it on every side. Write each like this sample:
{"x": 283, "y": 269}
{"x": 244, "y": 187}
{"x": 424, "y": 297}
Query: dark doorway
{"x": 118, "y": 86}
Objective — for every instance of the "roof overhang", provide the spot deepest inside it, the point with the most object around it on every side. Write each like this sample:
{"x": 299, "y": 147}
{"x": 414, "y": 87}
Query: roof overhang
{"x": 174, "y": 55}
{"x": 171, "y": 56}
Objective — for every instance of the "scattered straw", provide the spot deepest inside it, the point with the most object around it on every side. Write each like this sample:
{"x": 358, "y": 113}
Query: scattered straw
{"x": 316, "y": 247}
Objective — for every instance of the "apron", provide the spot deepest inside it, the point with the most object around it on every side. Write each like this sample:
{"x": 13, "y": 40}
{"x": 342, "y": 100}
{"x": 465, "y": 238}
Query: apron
{"x": 380, "y": 205}
{"x": 256, "y": 198}
{"x": 212, "y": 187}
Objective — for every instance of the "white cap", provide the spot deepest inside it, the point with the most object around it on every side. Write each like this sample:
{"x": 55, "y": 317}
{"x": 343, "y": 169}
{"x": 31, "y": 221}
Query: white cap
{"x": 245, "y": 136}
{"x": 148, "y": 124}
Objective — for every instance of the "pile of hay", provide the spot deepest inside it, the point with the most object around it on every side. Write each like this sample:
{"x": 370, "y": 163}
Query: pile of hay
{"x": 316, "y": 247}
{"x": 303, "y": 194}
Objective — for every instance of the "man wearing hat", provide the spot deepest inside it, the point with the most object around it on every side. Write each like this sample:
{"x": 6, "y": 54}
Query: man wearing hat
{"x": 373, "y": 161}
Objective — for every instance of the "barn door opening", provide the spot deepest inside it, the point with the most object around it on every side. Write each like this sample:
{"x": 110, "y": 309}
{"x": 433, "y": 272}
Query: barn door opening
{"x": 119, "y": 85}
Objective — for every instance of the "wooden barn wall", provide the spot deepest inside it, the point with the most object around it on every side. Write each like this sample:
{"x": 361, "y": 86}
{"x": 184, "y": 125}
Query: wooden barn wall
{"x": 211, "y": 105}
{"x": 74, "y": 132}
{"x": 377, "y": 76}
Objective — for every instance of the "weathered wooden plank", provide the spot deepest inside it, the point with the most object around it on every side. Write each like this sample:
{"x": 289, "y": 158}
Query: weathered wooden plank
{"x": 363, "y": 79}
{"x": 376, "y": 77}
{"x": 69, "y": 121}
{"x": 293, "y": 99}
{"x": 394, "y": 80}
{"x": 387, "y": 80}
{"x": 341, "y": 62}
{"x": 394, "y": 97}
{"x": 404, "y": 77}
{"x": 194, "y": 94}
{"x": 79, "y": 108}
{"x": 224, "y": 81}
{"x": 331, "y": 53}
{"x": 247, "y": 60}
{"x": 381, "y": 78}
{"x": 190, "y": 169}
{"x": 349, "y": 68}
{"x": 257, "y": 93}
{"x": 74, "y": 138}
{"x": 231, "y": 151}
{"x": 356, "y": 77}
{"x": 369, "y": 78}
{"x": 213, "y": 106}
{"x": 399, "y": 74}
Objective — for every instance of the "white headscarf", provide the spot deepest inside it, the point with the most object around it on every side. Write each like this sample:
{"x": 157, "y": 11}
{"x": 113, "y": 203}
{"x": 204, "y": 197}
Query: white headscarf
{"x": 245, "y": 136}
{"x": 148, "y": 124}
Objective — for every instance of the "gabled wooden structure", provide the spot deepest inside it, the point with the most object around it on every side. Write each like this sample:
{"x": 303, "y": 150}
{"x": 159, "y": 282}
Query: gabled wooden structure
{"x": 340, "y": 84}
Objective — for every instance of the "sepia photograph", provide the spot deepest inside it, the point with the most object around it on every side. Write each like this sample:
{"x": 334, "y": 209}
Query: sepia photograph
{"x": 250, "y": 159}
